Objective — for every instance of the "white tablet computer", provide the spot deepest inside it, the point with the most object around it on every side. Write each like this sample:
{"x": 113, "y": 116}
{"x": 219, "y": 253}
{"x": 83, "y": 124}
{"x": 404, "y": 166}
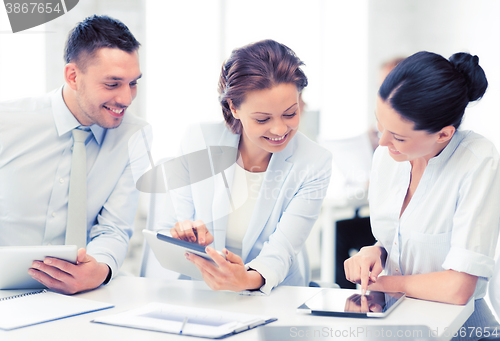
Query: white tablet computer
{"x": 348, "y": 303}
{"x": 16, "y": 260}
{"x": 170, "y": 252}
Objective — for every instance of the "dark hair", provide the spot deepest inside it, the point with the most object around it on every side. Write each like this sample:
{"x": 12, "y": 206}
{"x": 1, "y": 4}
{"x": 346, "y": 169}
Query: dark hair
{"x": 433, "y": 92}
{"x": 96, "y": 32}
{"x": 256, "y": 66}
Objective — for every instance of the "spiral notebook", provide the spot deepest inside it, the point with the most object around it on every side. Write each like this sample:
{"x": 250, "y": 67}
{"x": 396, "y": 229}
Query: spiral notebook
{"x": 21, "y": 308}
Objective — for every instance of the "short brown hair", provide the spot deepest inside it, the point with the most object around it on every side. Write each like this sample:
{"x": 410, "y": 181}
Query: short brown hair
{"x": 97, "y": 32}
{"x": 256, "y": 66}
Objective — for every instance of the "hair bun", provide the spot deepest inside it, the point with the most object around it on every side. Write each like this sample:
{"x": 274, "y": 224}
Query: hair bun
{"x": 468, "y": 66}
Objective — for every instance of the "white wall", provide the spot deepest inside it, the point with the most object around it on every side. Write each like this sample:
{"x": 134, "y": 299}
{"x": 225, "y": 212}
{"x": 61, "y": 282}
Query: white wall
{"x": 31, "y": 61}
{"x": 403, "y": 27}
{"x": 182, "y": 64}
{"x": 188, "y": 41}
{"x": 22, "y": 67}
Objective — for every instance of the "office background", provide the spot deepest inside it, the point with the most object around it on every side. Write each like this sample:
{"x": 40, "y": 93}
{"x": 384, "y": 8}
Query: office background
{"x": 343, "y": 44}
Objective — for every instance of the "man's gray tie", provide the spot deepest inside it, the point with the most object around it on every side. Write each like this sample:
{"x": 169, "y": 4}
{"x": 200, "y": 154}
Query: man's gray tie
{"x": 76, "y": 230}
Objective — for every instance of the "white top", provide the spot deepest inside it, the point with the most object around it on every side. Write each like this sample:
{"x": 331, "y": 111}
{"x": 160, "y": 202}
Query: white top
{"x": 452, "y": 220}
{"x": 246, "y": 187}
{"x": 35, "y": 163}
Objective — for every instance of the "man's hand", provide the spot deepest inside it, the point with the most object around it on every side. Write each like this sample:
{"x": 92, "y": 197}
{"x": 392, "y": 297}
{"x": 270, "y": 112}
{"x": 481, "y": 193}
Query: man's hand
{"x": 68, "y": 278}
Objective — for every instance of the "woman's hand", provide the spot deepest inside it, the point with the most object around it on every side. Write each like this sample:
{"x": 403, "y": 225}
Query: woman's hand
{"x": 192, "y": 231}
{"x": 227, "y": 273}
{"x": 365, "y": 266}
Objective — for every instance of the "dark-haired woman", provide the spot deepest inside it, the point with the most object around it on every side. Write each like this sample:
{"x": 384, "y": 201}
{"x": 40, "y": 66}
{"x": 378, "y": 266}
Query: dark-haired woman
{"x": 434, "y": 189}
{"x": 276, "y": 183}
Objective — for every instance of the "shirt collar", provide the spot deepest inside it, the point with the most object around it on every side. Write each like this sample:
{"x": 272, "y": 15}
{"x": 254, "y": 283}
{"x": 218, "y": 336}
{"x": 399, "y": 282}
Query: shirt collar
{"x": 65, "y": 121}
{"x": 448, "y": 151}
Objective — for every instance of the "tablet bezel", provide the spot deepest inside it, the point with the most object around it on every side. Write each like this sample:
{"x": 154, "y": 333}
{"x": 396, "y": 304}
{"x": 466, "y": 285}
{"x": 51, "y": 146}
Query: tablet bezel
{"x": 170, "y": 252}
{"x": 15, "y": 261}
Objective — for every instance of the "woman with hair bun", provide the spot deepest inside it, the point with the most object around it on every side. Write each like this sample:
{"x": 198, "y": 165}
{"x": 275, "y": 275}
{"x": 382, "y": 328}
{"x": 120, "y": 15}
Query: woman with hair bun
{"x": 434, "y": 189}
{"x": 276, "y": 182}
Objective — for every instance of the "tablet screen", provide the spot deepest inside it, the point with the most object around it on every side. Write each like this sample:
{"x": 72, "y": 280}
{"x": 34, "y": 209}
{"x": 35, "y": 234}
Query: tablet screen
{"x": 349, "y": 303}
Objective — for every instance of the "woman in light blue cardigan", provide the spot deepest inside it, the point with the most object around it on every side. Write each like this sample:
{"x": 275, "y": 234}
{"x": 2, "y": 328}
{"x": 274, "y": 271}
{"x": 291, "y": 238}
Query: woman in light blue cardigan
{"x": 268, "y": 180}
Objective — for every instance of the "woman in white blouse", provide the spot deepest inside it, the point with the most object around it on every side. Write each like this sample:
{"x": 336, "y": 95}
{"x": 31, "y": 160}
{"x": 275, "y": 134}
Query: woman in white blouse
{"x": 434, "y": 190}
{"x": 260, "y": 209}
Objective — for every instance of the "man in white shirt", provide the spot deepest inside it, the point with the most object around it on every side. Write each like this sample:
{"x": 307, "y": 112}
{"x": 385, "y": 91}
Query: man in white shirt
{"x": 36, "y": 143}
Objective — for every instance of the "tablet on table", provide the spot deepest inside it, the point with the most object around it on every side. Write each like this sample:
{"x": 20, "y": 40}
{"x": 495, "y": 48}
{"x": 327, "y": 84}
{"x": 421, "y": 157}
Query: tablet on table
{"x": 348, "y": 303}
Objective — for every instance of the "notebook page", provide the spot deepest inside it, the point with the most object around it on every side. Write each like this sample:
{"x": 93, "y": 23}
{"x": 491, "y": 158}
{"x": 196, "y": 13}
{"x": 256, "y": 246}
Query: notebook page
{"x": 42, "y": 307}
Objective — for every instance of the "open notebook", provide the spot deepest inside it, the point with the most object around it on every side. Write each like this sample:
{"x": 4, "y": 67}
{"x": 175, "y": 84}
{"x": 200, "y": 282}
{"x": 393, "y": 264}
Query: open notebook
{"x": 21, "y": 308}
{"x": 184, "y": 320}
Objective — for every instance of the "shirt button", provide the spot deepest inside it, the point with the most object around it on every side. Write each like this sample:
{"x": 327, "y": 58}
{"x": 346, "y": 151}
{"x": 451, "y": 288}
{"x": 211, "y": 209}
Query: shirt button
{"x": 53, "y": 214}
{"x": 61, "y": 180}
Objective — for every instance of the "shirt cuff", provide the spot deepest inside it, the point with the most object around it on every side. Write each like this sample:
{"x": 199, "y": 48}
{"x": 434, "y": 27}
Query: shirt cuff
{"x": 251, "y": 293}
{"x": 470, "y": 262}
{"x": 270, "y": 279}
{"x": 110, "y": 275}
{"x": 100, "y": 258}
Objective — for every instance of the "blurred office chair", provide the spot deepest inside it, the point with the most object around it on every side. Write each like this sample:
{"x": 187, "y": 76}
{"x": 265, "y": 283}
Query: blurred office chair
{"x": 345, "y": 229}
{"x": 351, "y": 236}
{"x": 305, "y": 269}
{"x": 150, "y": 267}
{"x": 352, "y": 159}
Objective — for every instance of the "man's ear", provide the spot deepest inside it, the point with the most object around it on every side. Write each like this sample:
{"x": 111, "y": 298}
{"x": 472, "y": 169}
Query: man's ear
{"x": 71, "y": 72}
{"x": 445, "y": 134}
{"x": 233, "y": 109}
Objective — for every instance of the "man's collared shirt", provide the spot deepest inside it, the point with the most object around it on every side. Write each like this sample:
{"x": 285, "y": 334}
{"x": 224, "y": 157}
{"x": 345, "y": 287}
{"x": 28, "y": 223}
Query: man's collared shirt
{"x": 35, "y": 162}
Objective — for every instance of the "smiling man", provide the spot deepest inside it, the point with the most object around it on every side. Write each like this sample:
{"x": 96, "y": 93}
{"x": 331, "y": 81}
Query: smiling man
{"x": 37, "y": 152}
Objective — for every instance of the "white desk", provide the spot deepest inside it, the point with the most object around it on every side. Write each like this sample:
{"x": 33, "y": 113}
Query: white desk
{"x": 130, "y": 292}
